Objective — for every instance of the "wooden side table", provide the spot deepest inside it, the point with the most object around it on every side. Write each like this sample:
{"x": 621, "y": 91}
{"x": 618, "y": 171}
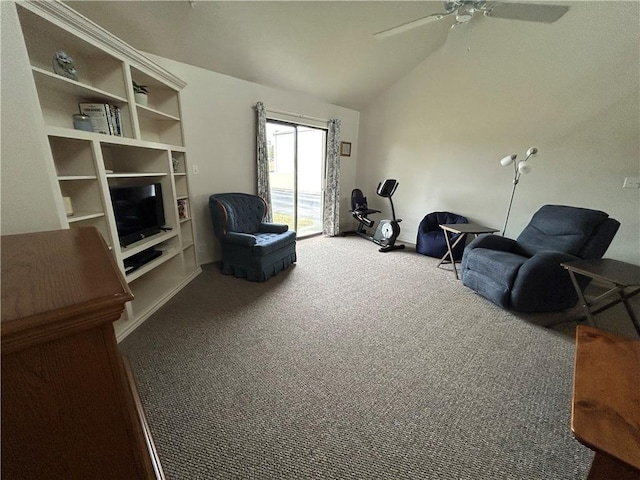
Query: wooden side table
{"x": 605, "y": 414}
{"x": 463, "y": 229}
{"x": 69, "y": 405}
{"x": 622, "y": 278}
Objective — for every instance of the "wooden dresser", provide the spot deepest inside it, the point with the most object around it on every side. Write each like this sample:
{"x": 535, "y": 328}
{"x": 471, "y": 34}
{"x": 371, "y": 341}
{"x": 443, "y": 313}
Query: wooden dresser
{"x": 69, "y": 404}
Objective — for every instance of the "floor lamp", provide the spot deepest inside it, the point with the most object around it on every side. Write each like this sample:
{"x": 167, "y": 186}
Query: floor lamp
{"x": 519, "y": 168}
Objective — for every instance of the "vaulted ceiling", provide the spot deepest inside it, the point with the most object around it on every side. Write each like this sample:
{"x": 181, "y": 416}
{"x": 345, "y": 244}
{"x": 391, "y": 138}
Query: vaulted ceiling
{"x": 322, "y": 48}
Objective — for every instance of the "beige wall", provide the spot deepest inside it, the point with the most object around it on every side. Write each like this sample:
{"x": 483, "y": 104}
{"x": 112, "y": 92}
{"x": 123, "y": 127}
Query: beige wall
{"x": 499, "y": 87}
{"x": 30, "y": 199}
{"x": 219, "y": 127}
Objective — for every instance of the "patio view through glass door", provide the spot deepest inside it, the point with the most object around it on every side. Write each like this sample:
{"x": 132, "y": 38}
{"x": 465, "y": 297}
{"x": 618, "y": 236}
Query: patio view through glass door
{"x": 296, "y": 173}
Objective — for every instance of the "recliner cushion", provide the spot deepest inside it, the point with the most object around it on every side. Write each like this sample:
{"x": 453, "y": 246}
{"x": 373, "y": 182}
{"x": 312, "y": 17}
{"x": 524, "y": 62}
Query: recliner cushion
{"x": 559, "y": 228}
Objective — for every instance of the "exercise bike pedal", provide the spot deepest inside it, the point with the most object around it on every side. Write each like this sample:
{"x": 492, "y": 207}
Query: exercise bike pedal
{"x": 388, "y": 248}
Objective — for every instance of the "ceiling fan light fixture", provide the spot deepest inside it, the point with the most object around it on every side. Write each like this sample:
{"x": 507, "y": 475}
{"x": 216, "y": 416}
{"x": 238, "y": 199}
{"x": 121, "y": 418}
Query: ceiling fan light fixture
{"x": 451, "y": 6}
{"x": 464, "y": 11}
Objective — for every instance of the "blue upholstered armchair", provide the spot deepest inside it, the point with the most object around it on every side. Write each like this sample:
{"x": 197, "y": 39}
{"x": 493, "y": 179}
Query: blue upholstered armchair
{"x": 251, "y": 248}
{"x": 525, "y": 274}
{"x": 430, "y": 240}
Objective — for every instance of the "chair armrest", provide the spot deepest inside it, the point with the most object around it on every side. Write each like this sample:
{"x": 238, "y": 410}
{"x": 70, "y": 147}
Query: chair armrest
{"x": 245, "y": 239}
{"x": 273, "y": 227}
{"x": 492, "y": 242}
{"x": 546, "y": 264}
{"x": 543, "y": 284}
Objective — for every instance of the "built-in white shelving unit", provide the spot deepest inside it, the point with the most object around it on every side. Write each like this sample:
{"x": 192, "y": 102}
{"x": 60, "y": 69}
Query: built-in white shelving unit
{"x": 150, "y": 150}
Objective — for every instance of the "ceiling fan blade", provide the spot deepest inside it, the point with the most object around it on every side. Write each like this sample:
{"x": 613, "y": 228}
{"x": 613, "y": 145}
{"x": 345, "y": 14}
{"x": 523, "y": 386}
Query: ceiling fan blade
{"x": 527, "y": 11}
{"x": 409, "y": 25}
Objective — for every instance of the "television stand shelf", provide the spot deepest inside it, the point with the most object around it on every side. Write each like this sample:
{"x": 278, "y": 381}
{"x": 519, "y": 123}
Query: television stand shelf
{"x": 135, "y": 174}
{"x": 164, "y": 256}
{"x": 148, "y": 242}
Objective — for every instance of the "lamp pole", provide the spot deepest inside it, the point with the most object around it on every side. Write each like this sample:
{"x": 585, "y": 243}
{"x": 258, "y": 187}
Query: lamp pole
{"x": 519, "y": 168}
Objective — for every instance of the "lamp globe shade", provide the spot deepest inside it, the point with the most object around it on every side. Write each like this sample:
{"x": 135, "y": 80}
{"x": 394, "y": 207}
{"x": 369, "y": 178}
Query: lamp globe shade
{"x": 524, "y": 168}
{"x": 532, "y": 151}
{"x": 508, "y": 160}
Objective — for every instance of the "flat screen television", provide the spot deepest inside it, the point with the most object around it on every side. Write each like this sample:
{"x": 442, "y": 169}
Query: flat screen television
{"x": 139, "y": 211}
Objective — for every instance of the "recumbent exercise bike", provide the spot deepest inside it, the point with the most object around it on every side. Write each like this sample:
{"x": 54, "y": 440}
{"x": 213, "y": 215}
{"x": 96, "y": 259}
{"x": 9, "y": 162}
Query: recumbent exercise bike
{"x": 387, "y": 231}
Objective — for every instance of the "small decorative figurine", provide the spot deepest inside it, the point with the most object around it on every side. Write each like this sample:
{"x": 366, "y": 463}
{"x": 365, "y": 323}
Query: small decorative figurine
{"x": 63, "y": 65}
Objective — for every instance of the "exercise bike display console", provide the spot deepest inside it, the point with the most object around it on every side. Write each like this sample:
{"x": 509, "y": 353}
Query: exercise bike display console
{"x": 387, "y": 231}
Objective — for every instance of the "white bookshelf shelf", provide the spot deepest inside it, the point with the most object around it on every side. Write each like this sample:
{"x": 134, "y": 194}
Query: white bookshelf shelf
{"x": 104, "y": 139}
{"x": 69, "y": 178}
{"x": 53, "y": 81}
{"x": 154, "y": 114}
{"x": 148, "y": 242}
{"x": 148, "y": 267}
{"x": 82, "y": 216}
{"x": 135, "y": 174}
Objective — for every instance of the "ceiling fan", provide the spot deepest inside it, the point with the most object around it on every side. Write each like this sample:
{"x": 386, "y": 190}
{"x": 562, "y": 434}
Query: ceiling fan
{"x": 464, "y": 10}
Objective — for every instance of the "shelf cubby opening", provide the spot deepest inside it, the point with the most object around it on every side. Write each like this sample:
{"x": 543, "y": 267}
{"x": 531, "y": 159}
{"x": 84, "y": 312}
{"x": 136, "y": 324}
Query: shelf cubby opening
{"x": 182, "y": 189}
{"x": 166, "y": 255}
{"x": 148, "y": 242}
{"x": 189, "y": 257}
{"x": 124, "y": 159}
{"x": 178, "y": 161}
{"x": 72, "y": 157}
{"x": 151, "y": 289}
{"x": 94, "y": 67}
{"x": 99, "y": 222}
{"x": 59, "y": 105}
{"x": 165, "y": 131}
{"x": 186, "y": 234}
{"x": 84, "y": 196}
{"x": 161, "y": 97}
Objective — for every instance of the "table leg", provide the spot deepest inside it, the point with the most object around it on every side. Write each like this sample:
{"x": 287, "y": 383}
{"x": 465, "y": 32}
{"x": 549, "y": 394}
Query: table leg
{"x": 630, "y": 312}
{"x": 583, "y": 301}
{"x": 451, "y": 247}
{"x": 449, "y": 252}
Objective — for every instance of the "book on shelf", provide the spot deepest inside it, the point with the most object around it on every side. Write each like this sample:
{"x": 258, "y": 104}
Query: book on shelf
{"x": 105, "y": 118}
{"x": 183, "y": 208}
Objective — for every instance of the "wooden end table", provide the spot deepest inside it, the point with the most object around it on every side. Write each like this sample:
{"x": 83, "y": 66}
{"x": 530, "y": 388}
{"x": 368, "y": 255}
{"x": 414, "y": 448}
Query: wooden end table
{"x": 622, "y": 278}
{"x": 605, "y": 413}
{"x": 463, "y": 229}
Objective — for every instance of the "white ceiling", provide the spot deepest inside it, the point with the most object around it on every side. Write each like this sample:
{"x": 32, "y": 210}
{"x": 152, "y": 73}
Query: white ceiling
{"x": 322, "y": 48}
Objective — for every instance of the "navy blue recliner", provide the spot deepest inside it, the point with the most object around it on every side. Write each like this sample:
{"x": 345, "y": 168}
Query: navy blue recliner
{"x": 431, "y": 241}
{"x": 525, "y": 274}
{"x": 251, "y": 248}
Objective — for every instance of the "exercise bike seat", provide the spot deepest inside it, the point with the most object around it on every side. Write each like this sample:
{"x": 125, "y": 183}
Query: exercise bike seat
{"x": 359, "y": 203}
{"x": 367, "y": 211}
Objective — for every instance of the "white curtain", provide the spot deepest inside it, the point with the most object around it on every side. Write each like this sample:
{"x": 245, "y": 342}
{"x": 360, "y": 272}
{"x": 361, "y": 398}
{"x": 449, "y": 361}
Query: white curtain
{"x": 331, "y": 214}
{"x": 262, "y": 159}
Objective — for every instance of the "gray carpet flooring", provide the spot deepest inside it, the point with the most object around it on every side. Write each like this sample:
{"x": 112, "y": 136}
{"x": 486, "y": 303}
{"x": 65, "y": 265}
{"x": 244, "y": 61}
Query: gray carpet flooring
{"x": 354, "y": 364}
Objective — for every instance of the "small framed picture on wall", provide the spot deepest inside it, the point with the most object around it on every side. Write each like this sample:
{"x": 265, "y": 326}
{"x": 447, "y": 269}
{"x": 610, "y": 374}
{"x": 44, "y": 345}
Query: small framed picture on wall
{"x": 345, "y": 149}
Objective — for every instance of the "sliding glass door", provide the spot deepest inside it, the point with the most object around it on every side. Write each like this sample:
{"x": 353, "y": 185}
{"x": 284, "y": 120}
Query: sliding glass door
{"x": 296, "y": 174}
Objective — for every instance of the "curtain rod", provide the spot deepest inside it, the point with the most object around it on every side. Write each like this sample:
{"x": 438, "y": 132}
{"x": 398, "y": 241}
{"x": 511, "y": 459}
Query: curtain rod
{"x": 298, "y": 115}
